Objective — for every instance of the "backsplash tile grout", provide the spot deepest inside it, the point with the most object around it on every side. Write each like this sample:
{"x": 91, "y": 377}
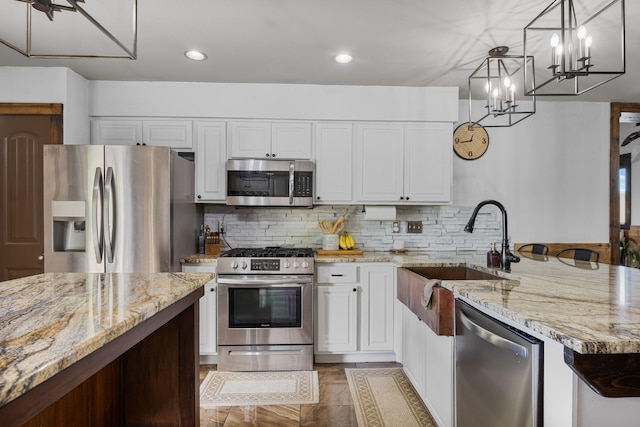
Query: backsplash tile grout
{"x": 443, "y": 227}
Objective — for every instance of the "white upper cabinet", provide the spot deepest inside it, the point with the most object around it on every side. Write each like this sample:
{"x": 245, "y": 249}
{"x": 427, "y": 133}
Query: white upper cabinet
{"x": 403, "y": 163}
{"x": 428, "y": 162}
{"x": 333, "y": 162}
{"x": 177, "y": 134}
{"x": 211, "y": 156}
{"x": 379, "y": 162}
{"x": 269, "y": 140}
{"x": 116, "y": 132}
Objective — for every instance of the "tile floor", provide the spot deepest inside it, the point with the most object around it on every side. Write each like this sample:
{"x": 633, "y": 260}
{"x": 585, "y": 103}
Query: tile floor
{"x": 334, "y": 409}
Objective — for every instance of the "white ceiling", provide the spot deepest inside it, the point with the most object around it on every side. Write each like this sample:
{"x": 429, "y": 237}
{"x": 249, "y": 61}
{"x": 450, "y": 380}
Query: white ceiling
{"x": 394, "y": 42}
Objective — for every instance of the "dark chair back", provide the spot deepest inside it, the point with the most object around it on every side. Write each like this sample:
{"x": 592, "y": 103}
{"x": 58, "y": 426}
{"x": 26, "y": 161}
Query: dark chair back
{"x": 534, "y": 248}
{"x": 582, "y": 254}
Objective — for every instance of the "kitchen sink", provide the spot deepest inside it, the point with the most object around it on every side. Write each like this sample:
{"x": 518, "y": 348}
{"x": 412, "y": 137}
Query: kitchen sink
{"x": 453, "y": 273}
{"x": 439, "y": 315}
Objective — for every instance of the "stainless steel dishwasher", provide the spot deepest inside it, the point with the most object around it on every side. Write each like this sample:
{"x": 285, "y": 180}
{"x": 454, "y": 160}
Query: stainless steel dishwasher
{"x": 498, "y": 372}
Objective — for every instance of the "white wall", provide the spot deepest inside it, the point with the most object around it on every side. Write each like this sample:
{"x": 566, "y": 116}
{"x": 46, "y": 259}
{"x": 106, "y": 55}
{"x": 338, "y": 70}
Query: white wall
{"x": 551, "y": 171}
{"x": 51, "y": 85}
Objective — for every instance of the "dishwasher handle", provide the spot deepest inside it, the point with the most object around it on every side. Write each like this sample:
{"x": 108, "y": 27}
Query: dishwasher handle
{"x": 493, "y": 338}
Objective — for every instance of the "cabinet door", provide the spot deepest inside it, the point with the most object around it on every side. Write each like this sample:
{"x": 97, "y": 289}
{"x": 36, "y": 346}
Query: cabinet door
{"x": 116, "y": 132}
{"x": 413, "y": 344}
{"x": 376, "y": 305}
{"x": 209, "y": 319}
{"x": 333, "y": 162}
{"x": 208, "y": 310}
{"x": 250, "y": 140}
{"x": 428, "y": 162}
{"x": 438, "y": 382}
{"x": 211, "y": 156}
{"x": 291, "y": 140}
{"x": 176, "y": 134}
{"x": 336, "y": 318}
{"x": 379, "y": 162}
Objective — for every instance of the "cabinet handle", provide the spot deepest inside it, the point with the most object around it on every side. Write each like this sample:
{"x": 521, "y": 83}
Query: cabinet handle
{"x": 317, "y": 197}
{"x": 273, "y": 154}
{"x": 267, "y": 155}
{"x": 137, "y": 143}
{"x": 199, "y": 196}
{"x": 212, "y": 289}
{"x": 401, "y": 198}
{"x": 337, "y": 275}
{"x": 355, "y": 290}
{"x": 407, "y": 198}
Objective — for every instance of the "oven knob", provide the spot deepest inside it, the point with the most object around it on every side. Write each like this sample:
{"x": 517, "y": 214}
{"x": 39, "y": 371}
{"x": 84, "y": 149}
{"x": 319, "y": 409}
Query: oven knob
{"x": 305, "y": 264}
{"x": 286, "y": 264}
{"x": 244, "y": 265}
{"x": 234, "y": 264}
{"x": 295, "y": 264}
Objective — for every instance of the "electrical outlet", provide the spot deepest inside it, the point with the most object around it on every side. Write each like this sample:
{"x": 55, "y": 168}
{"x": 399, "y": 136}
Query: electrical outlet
{"x": 414, "y": 227}
{"x": 396, "y": 227}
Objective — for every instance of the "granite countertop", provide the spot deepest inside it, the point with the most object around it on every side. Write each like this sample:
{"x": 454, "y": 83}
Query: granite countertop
{"x": 589, "y": 308}
{"x": 199, "y": 259}
{"x": 50, "y": 321}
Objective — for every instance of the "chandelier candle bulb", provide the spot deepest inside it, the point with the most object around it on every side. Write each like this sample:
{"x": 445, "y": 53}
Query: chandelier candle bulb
{"x": 555, "y": 41}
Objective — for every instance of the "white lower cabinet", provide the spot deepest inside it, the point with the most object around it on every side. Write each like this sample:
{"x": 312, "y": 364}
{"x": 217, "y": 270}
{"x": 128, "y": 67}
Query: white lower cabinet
{"x": 428, "y": 362}
{"x": 354, "y": 312}
{"x": 208, "y": 311}
{"x": 337, "y": 318}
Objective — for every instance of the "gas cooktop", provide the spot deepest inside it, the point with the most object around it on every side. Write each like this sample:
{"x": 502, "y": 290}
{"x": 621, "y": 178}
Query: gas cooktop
{"x": 268, "y": 252}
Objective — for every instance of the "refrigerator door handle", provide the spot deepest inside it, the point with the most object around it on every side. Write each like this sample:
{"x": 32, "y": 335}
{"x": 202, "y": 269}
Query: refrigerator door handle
{"x": 97, "y": 222}
{"x": 291, "y": 181}
{"x": 109, "y": 205}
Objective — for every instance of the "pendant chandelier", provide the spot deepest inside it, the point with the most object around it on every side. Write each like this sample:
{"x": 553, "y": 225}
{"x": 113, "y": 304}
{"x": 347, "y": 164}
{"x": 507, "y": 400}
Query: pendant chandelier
{"x": 65, "y": 29}
{"x": 500, "y": 81}
{"x": 578, "y": 46}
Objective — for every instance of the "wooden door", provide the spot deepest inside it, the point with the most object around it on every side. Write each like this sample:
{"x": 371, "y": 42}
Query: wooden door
{"x": 24, "y": 129}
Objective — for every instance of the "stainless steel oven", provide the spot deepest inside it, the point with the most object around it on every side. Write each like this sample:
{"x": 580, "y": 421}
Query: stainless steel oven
{"x": 265, "y": 309}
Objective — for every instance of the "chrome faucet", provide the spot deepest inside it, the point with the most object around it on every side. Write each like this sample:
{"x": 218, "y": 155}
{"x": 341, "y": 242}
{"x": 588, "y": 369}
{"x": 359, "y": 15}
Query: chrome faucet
{"x": 506, "y": 257}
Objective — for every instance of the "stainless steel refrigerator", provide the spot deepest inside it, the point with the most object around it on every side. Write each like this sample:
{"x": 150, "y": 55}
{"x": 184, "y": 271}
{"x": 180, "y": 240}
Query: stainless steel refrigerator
{"x": 117, "y": 209}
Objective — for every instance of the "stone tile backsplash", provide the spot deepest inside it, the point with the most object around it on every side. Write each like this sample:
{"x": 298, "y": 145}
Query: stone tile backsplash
{"x": 443, "y": 227}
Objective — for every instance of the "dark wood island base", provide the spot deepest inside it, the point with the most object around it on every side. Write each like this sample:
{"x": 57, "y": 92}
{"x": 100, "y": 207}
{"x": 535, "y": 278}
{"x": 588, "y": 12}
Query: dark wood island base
{"x": 146, "y": 377}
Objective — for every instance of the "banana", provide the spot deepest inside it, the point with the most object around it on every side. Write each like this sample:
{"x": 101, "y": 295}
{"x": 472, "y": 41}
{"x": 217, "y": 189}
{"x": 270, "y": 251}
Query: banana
{"x": 346, "y": 241}
{"x": 342, "y": 241}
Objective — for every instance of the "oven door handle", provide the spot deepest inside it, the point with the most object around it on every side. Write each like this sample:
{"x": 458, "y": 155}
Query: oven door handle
{"x": 264, "y": 281}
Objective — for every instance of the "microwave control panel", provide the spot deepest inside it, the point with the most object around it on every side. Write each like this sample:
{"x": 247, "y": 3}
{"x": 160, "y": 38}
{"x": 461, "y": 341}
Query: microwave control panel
{"x": 303, "y": 184}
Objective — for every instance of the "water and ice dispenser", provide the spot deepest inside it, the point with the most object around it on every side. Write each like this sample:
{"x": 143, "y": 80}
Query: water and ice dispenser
{"x": 69, "y": 226}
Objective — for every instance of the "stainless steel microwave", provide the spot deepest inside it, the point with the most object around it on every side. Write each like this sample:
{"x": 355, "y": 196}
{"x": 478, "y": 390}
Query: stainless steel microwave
{"x": 270, "y": 183}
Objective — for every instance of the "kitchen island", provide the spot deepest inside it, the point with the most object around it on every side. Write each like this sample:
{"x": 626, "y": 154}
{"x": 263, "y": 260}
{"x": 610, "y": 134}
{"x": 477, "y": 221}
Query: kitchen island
{"x": 587, "y": 314}
{"x": 100, "y": 349}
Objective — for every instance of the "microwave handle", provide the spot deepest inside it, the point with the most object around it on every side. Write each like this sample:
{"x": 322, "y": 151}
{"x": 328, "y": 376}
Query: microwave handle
{"x": 291, "y": 176}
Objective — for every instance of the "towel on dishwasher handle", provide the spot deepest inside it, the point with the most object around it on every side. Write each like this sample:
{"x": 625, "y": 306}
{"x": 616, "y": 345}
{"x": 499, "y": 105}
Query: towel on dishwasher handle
{"x": 427, "y": 292}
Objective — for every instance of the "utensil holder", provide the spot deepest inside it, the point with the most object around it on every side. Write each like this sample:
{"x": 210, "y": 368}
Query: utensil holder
{"x": 330, "y": 242}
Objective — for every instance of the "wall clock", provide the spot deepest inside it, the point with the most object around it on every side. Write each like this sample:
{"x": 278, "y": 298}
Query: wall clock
{"x": 470, "y": 143}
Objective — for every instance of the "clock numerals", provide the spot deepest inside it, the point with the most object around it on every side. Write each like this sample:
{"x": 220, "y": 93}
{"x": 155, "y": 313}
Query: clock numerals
{"x": 470, "y": 143}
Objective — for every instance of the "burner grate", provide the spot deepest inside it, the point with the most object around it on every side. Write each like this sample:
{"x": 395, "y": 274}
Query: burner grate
{"x": 269, "y": 252}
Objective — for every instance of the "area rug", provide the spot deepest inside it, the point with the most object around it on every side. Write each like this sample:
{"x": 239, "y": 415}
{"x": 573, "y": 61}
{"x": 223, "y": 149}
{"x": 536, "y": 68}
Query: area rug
{"x": 259, "y": 388}
{"x": 385, "y": 397}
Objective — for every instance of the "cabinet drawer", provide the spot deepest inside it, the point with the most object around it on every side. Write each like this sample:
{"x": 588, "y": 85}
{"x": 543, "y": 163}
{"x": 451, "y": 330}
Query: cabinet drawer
{"x": 337, "y": 274}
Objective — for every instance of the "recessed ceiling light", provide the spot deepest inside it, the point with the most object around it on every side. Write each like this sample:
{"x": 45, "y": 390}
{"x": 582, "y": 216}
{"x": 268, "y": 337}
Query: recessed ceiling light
{"x": 195, "y": 55}
{"x": 343, "y": 58}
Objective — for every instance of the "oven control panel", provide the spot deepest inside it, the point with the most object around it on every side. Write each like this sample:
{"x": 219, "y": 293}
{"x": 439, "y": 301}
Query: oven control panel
{"x": 265, "y": 264}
